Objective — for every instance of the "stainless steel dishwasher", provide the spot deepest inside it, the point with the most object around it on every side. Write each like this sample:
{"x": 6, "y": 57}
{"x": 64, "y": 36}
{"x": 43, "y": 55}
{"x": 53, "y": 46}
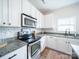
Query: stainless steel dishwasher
{"x": 74, "y": 55}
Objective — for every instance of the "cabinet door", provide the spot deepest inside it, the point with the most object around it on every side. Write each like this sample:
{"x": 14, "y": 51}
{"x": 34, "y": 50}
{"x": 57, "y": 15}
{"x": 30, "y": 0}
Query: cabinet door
{"x": 26, "y": 7}
{"x": 43, "y": 43}
{"x": 1, "y": 11}
{"x": 60, "y": 44}
{"x": 33, "y": 11}
{"x": 64, "y": 45}
{"x": 39, "y": 19}
{"x": 49, "y": 23}
{"x": 18, "y": 54}
{"x": 69, "y": 50}
{"x": 29, "y": 9}
{"x": 5, "y": 13}
{"x": 15, "y": 13}
{"x": 51, "y": 42}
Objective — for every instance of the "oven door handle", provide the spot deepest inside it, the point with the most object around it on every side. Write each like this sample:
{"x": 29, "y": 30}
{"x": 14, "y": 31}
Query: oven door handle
{"x": 34, "y": 43}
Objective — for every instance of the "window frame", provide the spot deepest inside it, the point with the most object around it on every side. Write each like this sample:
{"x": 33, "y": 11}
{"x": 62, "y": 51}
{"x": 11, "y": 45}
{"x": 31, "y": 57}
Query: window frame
{"x": 74, "y": 24}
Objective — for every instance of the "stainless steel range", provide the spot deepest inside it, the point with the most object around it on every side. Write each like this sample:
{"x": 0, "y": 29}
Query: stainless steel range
{"x": 33, "y": 51}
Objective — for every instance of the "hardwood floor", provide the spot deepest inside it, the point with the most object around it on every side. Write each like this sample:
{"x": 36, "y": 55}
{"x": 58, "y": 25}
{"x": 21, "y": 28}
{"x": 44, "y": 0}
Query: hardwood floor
{"x": 51, "y": 54}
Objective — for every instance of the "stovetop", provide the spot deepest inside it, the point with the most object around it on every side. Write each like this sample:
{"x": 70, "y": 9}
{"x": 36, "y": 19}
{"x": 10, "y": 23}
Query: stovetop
{"x": 31, "y": 40}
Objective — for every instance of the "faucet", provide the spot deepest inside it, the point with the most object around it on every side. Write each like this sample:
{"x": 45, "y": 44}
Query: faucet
{"x": 67, "y": 32}
{"x": 75, "y": 34}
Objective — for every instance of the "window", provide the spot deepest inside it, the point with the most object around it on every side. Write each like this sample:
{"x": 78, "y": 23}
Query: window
{"x": 66, "y": 24}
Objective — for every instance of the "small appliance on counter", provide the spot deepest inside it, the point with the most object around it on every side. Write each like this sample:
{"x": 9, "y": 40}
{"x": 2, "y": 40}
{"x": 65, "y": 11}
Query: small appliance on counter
{"x": 33, "y": 43}
{"x": 33, "y": 34}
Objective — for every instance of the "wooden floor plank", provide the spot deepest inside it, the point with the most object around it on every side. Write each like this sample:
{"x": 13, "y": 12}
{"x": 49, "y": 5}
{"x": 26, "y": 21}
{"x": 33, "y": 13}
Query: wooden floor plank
{"x": 51, "y": 54}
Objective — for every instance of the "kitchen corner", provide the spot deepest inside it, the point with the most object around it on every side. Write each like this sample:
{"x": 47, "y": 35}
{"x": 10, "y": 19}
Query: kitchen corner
{"x": 66, "y": 43}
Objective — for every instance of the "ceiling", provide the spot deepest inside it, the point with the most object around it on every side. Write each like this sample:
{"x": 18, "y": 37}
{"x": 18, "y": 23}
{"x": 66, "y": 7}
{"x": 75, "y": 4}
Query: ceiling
{"x": 47, "y": 6}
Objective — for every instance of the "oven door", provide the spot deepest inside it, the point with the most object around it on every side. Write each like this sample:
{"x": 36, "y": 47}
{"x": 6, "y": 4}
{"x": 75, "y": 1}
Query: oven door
{"x": 34, "y": 50}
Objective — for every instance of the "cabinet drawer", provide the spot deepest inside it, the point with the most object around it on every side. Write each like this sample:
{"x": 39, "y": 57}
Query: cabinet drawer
{"x": 20, "y": 53}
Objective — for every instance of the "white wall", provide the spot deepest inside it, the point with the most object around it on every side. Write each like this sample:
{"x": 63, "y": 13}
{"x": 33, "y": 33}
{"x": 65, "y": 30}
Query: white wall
{"x": 69, "y": 11}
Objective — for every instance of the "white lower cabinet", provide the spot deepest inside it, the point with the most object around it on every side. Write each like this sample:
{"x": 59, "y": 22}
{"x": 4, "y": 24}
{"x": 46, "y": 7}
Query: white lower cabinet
{"x": 63, "y": 45}
{"x": 18, "y": 54}
{"x": 51, "y": 42}
{"x": 60, "y": 44}
{"x": 43, "y": 43}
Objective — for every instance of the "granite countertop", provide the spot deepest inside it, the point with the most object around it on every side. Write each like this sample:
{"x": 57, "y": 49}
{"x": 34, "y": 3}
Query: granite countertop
{"x": 71, "y": 36}
{"x": 76, "y": 49}
{"x": 12, "y": 45}
{"x": 63, "y": 36}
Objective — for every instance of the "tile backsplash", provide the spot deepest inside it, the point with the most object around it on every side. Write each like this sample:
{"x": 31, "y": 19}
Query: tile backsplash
{"x": 8, "y": 32}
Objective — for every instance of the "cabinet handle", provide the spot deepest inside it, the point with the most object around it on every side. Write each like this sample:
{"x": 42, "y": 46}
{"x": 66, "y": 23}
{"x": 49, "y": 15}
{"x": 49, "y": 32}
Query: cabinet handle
{"x": 4, "y": 23}
{"x": 12, "y": 56}
{"x": 9, "y": 23}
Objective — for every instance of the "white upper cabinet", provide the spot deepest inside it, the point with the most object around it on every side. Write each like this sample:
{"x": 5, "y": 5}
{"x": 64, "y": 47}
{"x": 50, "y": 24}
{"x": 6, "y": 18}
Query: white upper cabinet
{"x": 5, "y": 13}
{"x": 29, "y": 9}
{"x": 26, "y": 7}
{"x": 15, "y": 13}
{"x": 40, "y": 19}
{"x": 1, "y": 10}
{"x": 33, "y": 11}
{"x": 48, "y": 21}
{"x": 10, "y": 13}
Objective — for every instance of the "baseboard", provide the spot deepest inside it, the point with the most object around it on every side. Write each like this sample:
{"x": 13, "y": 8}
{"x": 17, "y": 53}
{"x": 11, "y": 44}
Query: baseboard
{"x": 43, "y": 50}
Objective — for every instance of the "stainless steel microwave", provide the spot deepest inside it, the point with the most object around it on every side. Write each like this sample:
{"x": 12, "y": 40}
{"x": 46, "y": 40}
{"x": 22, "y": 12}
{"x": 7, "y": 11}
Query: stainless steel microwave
{"x": 28, "y": 21}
